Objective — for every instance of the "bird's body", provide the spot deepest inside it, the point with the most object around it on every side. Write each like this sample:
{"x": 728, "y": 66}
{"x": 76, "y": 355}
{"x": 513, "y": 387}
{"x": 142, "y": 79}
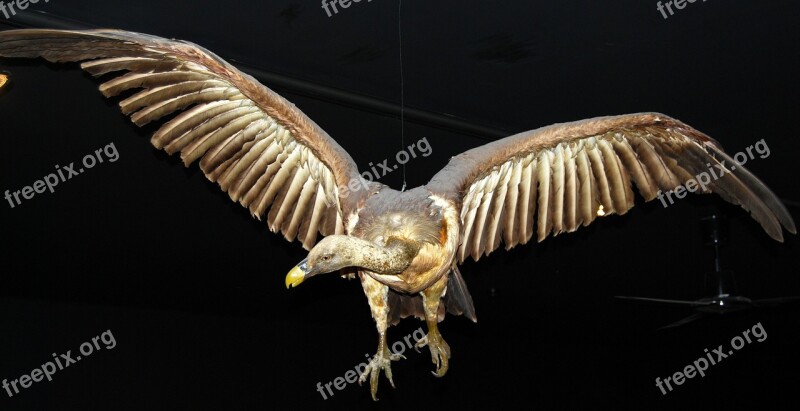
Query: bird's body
{"x": 415, "y": 216}
{"x": 405, "y": 247}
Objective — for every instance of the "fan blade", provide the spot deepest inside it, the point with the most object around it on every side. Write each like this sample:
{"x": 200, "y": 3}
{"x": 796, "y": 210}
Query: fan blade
{"x": 687, "y": 320}
{"x": 663, "y": 301}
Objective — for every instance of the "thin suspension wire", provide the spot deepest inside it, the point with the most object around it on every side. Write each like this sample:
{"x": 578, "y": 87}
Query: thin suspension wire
{"x": 402, "y": 88}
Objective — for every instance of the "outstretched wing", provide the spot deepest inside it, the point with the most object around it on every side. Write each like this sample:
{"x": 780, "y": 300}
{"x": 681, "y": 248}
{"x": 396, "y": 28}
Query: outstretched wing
{"x": 262, "y": 150}
{"x": 565, "y": 175}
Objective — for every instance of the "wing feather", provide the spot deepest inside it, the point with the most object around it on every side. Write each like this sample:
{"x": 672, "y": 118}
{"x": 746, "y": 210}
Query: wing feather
{"x": 545, "y": 182}
{"x": 579, "y": 171}
{"x": 599, "y": 172}
{"x": 531, "y": 192}
{"x": 619, "y": 181}
{"x": 570, "y": 190}
{"x": 497, "y": 213}
{"x": 258, "y": 147}
{"x": 557, "y": 190}
{"x": 587, "y": 198}
{"x": 509, "y": 228}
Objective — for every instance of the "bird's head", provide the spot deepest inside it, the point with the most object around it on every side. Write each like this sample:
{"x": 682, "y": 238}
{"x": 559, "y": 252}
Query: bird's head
{"x": 331, "y": 254}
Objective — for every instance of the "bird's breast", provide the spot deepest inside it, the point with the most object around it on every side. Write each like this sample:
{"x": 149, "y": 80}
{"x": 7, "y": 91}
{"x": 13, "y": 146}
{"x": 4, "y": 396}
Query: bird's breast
{"x": 437, "y": 229}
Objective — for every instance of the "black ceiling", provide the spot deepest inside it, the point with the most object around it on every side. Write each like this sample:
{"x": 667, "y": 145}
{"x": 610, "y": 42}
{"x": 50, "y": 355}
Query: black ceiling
{"x": 192, "y": 286}
{"x": 512, "y": 65}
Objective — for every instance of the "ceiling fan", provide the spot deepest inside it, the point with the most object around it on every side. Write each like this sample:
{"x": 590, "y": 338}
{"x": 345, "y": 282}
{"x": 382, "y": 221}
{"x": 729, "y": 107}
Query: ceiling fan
{"x": 720, "y": 283}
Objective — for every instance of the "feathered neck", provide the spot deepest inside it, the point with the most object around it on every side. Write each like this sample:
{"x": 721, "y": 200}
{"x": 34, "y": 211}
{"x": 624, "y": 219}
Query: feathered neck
{"x": 392, "y": 258}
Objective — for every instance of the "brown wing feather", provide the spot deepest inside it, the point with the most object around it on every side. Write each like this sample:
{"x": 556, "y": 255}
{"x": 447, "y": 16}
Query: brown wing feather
{"x": 575, "y": 168}
{"x": 262, "y": 150}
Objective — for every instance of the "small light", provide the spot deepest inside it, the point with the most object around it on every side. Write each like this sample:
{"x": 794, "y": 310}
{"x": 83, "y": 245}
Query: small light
{"x": 3, "y": 80}
{"x": 722, "y": 303}
{"x": 600, "y": 211}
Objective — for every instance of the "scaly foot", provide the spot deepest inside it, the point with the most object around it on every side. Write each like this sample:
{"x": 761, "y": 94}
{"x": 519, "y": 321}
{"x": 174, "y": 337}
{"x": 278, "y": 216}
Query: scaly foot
{"x": 381, "y": 361}
{"x": 440, "y": 351}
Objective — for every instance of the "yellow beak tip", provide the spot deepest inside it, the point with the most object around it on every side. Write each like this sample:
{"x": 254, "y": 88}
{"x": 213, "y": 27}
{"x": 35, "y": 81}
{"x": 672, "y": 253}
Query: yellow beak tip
{"x": 295, "y": 277}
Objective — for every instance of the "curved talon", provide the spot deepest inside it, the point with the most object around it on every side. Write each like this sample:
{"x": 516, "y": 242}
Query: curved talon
{"x": 440, "y": 372}
{"x": 440, "y": 353}
{"x": 421, "y": 343}
{"x": 381, "y": 361}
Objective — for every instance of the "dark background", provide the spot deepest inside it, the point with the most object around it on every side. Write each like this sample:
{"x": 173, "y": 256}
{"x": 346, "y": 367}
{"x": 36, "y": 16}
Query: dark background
{"x": 192, "y": 287}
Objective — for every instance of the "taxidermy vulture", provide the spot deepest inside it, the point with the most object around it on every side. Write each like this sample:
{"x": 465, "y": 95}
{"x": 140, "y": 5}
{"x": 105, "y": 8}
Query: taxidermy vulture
{"x": 404, "y": 247}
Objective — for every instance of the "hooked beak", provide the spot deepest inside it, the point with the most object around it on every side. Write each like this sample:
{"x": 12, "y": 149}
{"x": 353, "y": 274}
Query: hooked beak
{"x": 297, "y": 274}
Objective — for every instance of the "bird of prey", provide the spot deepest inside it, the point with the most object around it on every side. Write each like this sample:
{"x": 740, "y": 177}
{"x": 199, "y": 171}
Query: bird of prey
{"x": 404, "y": 247}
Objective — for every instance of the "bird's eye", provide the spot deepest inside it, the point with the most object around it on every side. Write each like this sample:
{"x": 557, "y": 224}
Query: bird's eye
{"x": 326, "y": 258}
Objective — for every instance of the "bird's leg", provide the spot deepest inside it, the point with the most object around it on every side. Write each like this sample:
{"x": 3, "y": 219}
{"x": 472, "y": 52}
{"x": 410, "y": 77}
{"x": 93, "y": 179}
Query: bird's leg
{"x": 440, "y": 351}
{"x": 377, "y": 295}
